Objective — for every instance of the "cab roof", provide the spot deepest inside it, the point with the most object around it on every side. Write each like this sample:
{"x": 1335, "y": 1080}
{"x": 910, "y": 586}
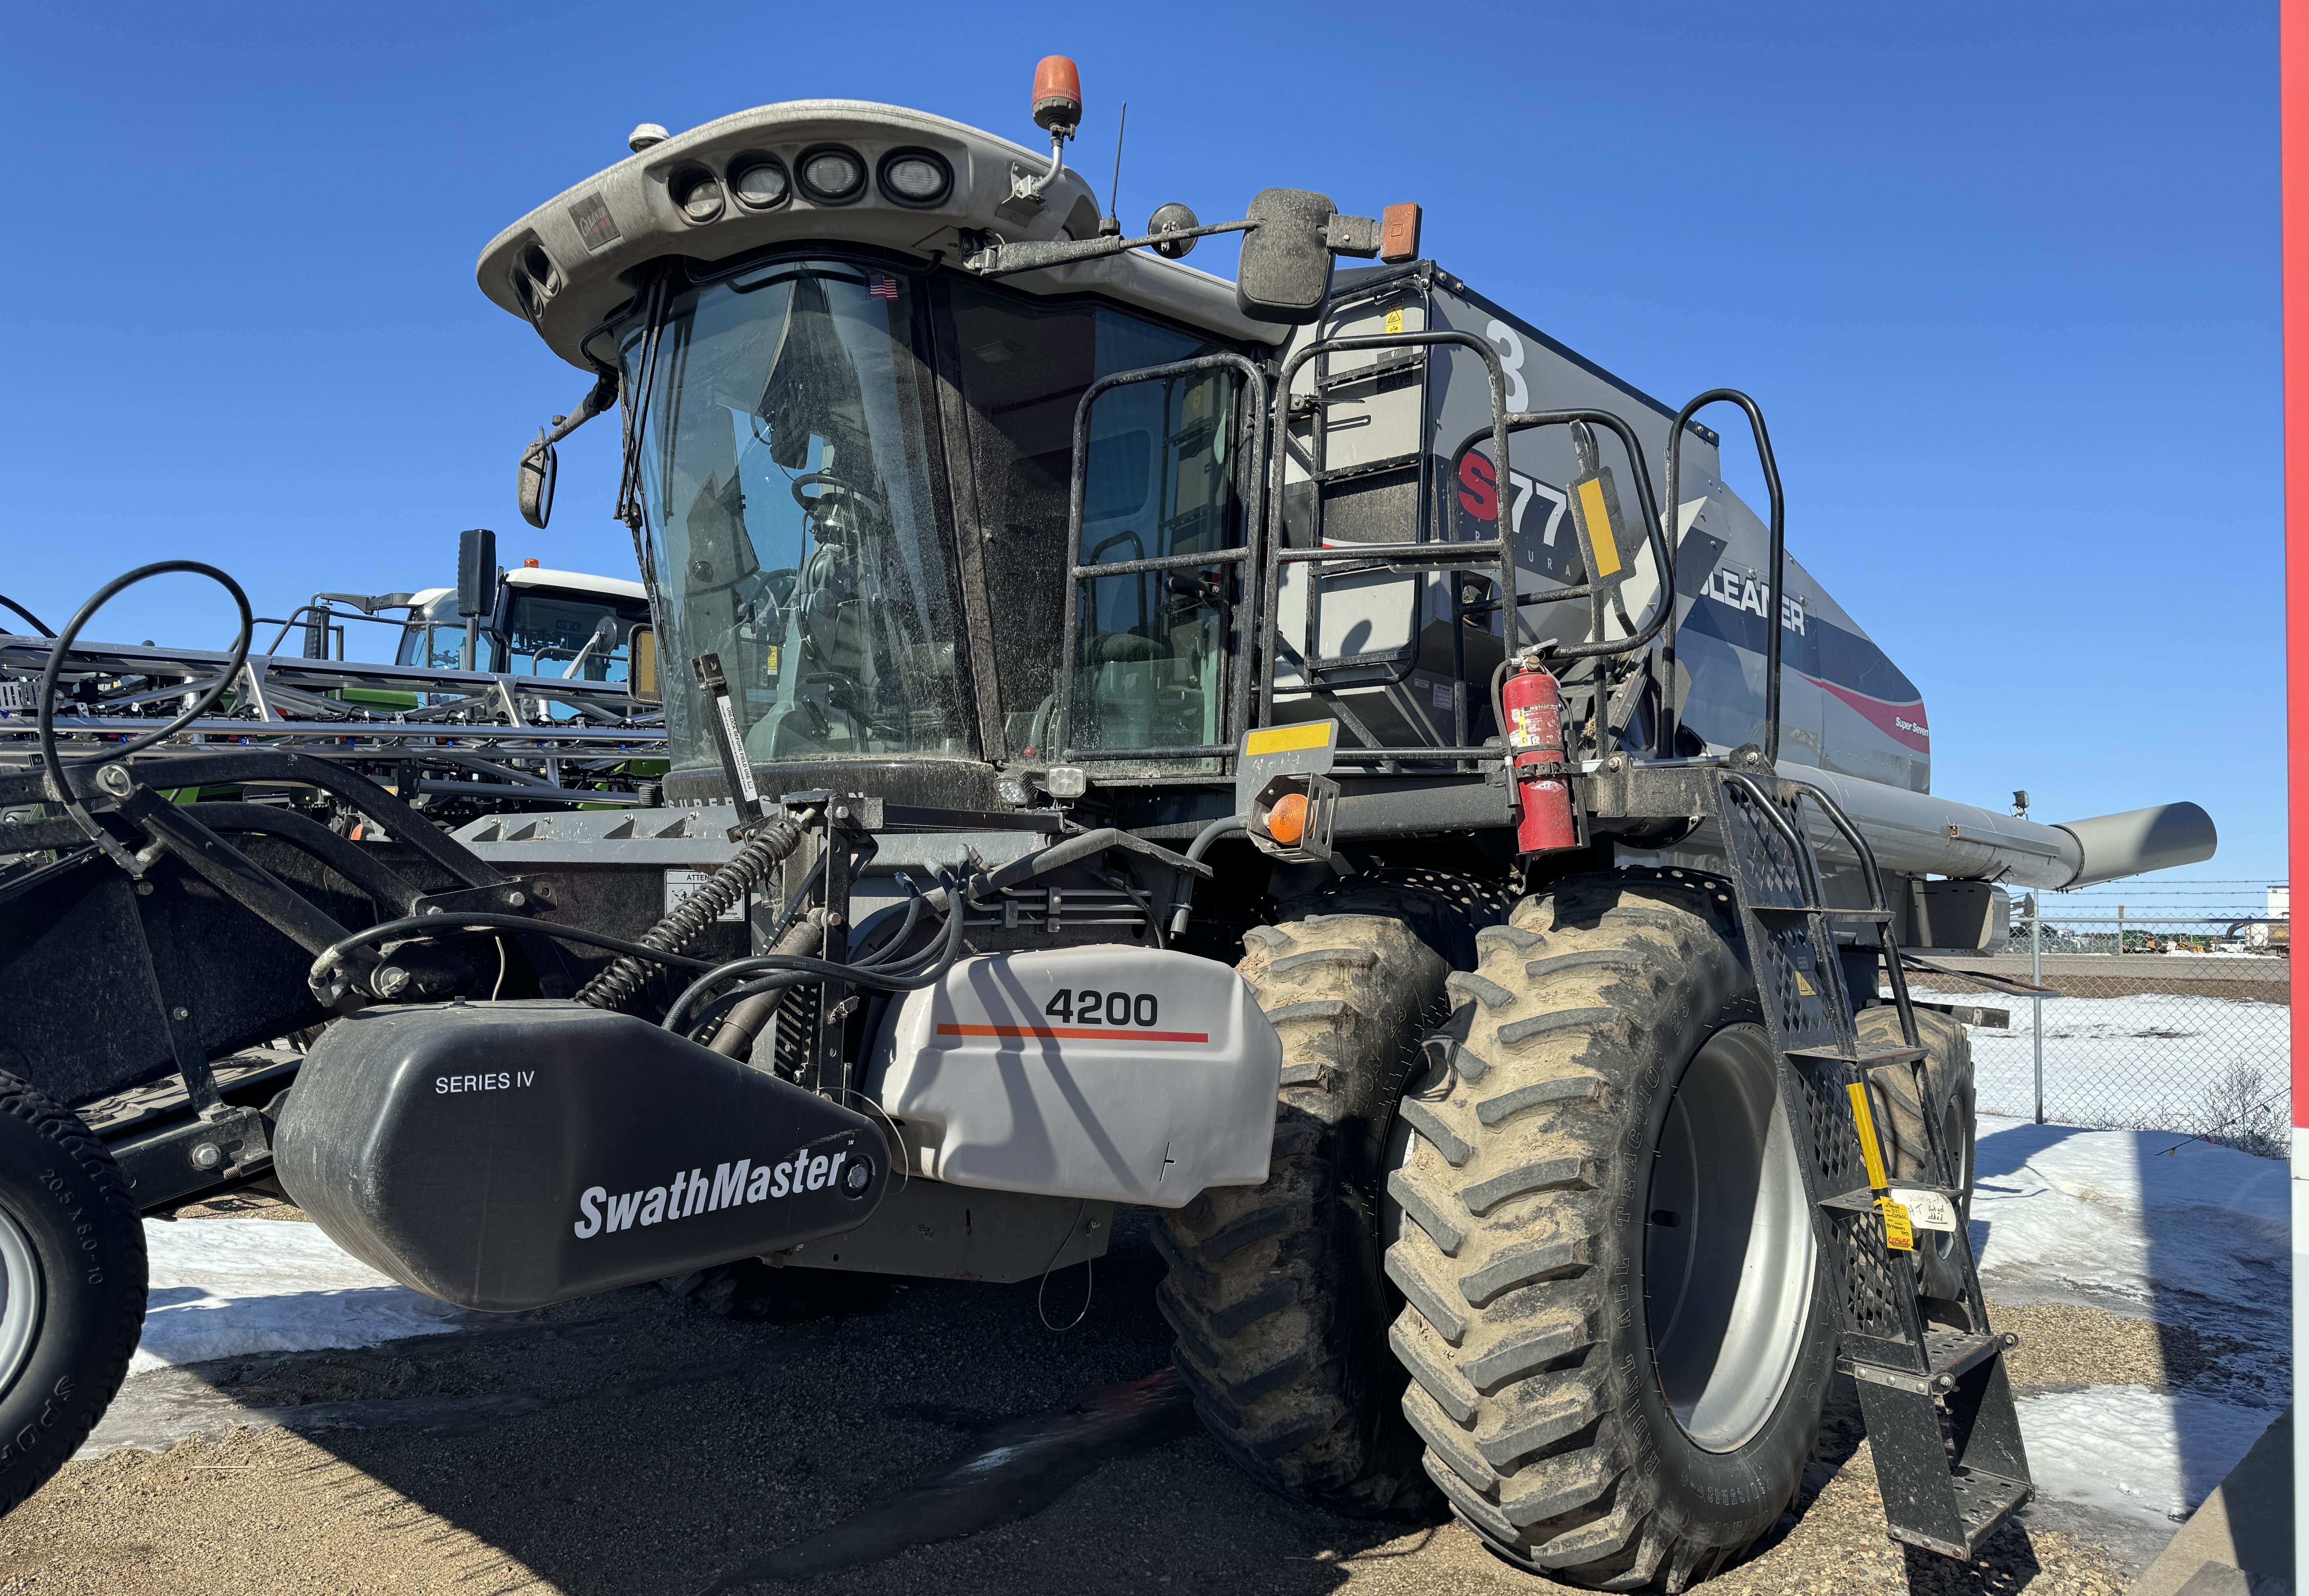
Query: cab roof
{"x": 569, "y": 263}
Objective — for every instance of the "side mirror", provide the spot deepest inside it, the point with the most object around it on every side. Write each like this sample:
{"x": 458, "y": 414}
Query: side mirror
{"x": 477, "y": 572}
{"x": 1284, "y": 274}
{"x": 641, "y": 668}
{"x": 538, "y": 468}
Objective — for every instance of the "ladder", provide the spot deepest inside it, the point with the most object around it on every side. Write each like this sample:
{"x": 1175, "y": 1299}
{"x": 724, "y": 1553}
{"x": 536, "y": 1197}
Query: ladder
{"x": 1937, "y": 1402}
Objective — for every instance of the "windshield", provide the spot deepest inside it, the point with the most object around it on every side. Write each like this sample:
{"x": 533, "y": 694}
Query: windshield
{"x": 790, "y": 520}
{"x": 548, "y": 632}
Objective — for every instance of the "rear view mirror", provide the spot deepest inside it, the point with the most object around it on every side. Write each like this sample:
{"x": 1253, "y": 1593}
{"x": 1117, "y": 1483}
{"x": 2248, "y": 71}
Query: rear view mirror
{"x": 538, "y": 467}
{"x": 1284, "y": 274}
{"x": 641, "y": 669}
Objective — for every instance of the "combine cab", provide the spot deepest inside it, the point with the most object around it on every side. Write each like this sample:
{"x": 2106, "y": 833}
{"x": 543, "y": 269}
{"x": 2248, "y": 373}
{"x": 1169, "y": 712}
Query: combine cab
{"x": 1309, "y": 754}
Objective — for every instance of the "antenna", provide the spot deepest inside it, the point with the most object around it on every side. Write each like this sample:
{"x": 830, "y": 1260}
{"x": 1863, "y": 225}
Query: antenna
{"x": 1113, "y": 216}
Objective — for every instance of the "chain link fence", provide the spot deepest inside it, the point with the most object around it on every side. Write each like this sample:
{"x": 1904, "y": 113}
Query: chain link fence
{"x": 2163, "y": 1020}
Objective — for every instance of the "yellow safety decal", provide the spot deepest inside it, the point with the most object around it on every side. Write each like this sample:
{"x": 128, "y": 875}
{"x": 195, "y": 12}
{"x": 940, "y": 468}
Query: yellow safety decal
{"x": 1291, "y": 739}
{"x": 1599, "y": 527}
{"x": 1898, "y": 1233}
{"x": 1804, "y": 985}
{"x": 770, "y": 662}
{"x": 1865, "y": 1123}
{"x": 1395, "y": 318}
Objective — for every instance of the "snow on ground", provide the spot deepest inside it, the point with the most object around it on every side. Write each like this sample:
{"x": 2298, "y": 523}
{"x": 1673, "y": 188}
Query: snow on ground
{"x": 2143, "y": 1224}
{"x": 223, "y": 1286}
{"x": 2160, "y": 1058}
{"x": 2146, "y": 1458}
{"x": 2136, "y": 1222}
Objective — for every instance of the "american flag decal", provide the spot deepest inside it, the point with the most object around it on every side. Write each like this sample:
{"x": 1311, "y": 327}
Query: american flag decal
{"x": 884, "y": 287}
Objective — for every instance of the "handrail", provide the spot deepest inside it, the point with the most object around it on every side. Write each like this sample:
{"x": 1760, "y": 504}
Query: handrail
{"x": 1664, "y": 602}
{"x": 1773, "y": 624}
{"x": 1271, "y": 597}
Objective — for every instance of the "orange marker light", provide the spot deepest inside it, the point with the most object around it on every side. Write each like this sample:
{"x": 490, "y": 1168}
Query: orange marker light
{"x": 1286, "y": 823}
{"x": 1058, "y": 94}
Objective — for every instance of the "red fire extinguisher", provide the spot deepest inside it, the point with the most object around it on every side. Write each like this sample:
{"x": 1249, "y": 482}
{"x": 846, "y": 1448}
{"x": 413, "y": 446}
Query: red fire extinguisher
{"x": 1533, "y": 709}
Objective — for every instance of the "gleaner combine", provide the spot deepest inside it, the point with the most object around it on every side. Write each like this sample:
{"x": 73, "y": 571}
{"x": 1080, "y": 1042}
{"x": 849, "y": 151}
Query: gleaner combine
{"x": 1311, "y": 755}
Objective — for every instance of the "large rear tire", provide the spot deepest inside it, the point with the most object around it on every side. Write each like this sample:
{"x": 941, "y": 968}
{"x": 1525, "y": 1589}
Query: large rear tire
{"x": 1275, "y": 1291}
{"x": 72, "y": 1286}
{"x": 1617, "y": 1331}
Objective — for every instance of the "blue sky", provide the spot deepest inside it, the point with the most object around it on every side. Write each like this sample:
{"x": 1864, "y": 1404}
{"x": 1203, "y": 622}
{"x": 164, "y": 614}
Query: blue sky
{"x": 2004, "y": 279}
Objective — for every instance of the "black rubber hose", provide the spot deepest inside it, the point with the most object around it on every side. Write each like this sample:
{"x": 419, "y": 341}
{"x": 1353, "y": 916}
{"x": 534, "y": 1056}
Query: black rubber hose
{"x": 615, "y": 986}
{"x": 45, "y": 717}
{"x": 1228, "y": 826}
{"x": 786, "y": 970}
{"x": 40, "y": 625}
{"x": 428, "y": 928}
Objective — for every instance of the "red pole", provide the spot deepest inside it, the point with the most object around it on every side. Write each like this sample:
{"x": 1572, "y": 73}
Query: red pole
{"x": 2293, "y": 112}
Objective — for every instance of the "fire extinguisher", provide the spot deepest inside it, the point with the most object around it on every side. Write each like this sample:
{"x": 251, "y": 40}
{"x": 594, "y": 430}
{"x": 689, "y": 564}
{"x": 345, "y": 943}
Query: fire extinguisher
{"x": 1533, "y": 729}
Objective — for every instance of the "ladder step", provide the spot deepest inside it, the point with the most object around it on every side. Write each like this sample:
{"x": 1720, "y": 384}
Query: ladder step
{"x": 1866, "y": 1058}
{"x": 1947, "y": 1353}
{"x": 1331, "y": 382}
{"x": 1985, "y": 1501}
{"x": 1368, "y": 468}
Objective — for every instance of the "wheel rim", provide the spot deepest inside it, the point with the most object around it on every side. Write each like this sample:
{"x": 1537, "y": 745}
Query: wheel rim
{"x": 1728, "y": 1246}
{"x": 20, "y": 1297}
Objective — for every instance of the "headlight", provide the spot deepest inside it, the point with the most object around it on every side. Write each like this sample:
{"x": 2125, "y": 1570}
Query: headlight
{"x": 698, "y": 195}
{"x": 915, "y": 177}
{"x": 833, "y": 175}
{"x": 540, "y": 268}
{"x": 761, "y": 184}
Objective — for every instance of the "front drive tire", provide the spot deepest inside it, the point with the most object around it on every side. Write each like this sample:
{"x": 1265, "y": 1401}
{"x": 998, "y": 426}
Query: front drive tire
{"x": 1618, "y": 1333}
{"x": 1275, "y": 1291}
{"x": 72, "y": 1286}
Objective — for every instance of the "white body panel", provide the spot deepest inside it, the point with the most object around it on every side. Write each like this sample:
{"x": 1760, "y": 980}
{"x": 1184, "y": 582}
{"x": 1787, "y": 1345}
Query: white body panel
{"x": 996, "y": 1083}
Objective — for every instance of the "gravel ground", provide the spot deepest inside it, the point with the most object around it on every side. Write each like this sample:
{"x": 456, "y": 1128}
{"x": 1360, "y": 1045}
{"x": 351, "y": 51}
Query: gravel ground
{"x": 645, "y": 1442}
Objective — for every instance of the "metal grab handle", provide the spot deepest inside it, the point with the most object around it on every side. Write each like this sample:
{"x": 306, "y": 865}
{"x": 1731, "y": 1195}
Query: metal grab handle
{"x": 1780, "y": 554}
{"x": 1247, "y": 556}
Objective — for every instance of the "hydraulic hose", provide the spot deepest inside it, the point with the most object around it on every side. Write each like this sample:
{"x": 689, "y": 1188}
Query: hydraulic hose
{"x": 1228, "y": 826}
{"x": 44, "y": 714}
{"x": 615, "y": 986}
{"x": 429, "y": 927}
{"x": 787, "y": 969}
{"x": 745, "y": 1018}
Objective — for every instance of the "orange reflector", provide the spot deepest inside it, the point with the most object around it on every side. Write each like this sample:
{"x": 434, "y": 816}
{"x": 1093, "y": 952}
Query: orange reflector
{"x": 1398, "y": 234}
{"x": 1286, "y": 823}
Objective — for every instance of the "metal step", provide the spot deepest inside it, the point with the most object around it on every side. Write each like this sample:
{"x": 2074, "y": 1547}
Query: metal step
{"x": 1947, "y": 1353}
{"x": 1985, "y": 1501}
{"x": 1942, "y": 1425}
{"x": 1864, "y": 1058}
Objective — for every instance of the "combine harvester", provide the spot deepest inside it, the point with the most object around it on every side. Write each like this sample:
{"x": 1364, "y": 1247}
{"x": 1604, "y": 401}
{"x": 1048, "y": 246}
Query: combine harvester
{"x": 1240, "y": 748}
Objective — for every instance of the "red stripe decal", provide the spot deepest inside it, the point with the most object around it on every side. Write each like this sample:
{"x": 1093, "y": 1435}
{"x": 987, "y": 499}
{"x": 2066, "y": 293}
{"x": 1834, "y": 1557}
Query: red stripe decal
{"x": 1904, "y": 723}
{"x": 1066, "y": 1033}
